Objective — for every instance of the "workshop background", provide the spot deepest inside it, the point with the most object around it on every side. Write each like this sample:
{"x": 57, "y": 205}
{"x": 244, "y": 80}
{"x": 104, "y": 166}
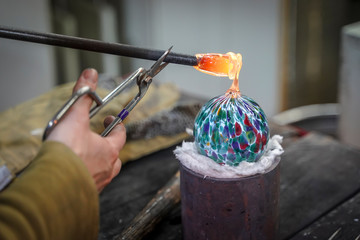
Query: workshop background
{"x": 291, "y": 48}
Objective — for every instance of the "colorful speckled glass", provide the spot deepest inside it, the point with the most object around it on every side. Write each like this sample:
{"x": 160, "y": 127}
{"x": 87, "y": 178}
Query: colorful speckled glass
{"x": 231, "y": 129}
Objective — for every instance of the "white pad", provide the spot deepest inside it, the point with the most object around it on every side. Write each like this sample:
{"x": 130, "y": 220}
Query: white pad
{"x": 188, "y": 155}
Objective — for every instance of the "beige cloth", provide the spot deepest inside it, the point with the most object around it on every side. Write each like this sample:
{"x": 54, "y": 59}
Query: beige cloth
{"x": 21, "y": 127}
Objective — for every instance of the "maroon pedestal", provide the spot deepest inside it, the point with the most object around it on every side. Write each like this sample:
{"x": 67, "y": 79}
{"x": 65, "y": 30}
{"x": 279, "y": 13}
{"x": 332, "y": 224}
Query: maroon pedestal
{"x": 238, "y": 208}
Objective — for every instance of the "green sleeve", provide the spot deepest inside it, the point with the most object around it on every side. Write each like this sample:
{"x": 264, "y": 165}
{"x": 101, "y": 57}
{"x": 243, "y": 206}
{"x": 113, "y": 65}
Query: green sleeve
{"x": 54, "y": 198}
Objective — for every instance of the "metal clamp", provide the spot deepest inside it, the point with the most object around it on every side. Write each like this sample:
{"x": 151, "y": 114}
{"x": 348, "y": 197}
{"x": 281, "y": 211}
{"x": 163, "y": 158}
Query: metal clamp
{"x": 143, "y": 79}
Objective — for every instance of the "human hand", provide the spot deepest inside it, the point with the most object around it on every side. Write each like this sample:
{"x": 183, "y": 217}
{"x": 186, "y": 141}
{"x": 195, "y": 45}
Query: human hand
{"x": 99, "y": 154}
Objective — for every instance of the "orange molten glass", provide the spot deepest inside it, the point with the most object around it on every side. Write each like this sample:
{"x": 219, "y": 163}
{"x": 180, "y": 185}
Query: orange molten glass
{"x": 222, "y": 65}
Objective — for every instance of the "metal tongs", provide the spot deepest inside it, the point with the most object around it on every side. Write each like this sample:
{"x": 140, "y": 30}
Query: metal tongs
{"x": 143, "y": 79}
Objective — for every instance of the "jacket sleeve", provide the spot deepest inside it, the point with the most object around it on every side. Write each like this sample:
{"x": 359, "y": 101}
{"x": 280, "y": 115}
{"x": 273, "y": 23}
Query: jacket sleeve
{"x": 54, "y": 198}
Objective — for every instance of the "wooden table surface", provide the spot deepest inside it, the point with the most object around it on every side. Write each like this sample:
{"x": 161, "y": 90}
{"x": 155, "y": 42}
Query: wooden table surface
{"x": 319, "y": 190}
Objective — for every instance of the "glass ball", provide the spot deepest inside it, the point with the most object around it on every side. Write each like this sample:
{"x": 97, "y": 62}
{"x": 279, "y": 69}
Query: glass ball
{"x": 230, "y": 129}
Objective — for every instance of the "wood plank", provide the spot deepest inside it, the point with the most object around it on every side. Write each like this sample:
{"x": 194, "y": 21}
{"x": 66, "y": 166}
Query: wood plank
{"x": 132, "y": 189}
{"x": 341, "y": 223}
{"x": 169, "y": 229}
{"x": 154, "y": 212}
{"x": 317, "y": 173}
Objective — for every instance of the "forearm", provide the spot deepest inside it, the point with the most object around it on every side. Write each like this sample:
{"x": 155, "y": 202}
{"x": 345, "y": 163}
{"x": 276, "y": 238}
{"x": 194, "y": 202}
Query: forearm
{"x": 55, "y": 198}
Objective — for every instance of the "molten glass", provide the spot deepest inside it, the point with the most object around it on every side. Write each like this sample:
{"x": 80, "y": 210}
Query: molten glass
{"x": 230, "y": 128}
{"x": 222, "y": 65}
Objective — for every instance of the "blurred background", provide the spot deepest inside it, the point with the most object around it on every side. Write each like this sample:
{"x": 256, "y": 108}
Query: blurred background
{"x": 291, "y": 48}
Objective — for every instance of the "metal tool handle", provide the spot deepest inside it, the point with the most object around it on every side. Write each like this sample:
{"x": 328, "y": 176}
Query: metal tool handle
{"x": 61, "y": 113}
{"x": 133, "y": 77}
{"x": 143, "y": 87}
{"x": 100, "y": 103}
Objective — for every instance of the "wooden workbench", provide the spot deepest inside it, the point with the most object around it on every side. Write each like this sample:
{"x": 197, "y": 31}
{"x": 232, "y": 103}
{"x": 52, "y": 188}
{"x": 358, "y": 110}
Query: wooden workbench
{"x": 319, "y": 190}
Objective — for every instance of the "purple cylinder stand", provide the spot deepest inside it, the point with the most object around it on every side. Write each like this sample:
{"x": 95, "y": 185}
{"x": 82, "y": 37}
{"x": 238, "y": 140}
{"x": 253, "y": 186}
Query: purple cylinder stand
{"x": 237, "y": 208}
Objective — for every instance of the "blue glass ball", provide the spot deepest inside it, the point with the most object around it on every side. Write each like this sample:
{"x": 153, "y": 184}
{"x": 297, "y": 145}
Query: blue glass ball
{"x": 231, "y": 129}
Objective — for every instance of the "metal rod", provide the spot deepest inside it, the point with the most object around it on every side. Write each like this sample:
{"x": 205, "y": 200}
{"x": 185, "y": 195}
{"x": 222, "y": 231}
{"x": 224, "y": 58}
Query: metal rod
{"x": 95, "y": 45}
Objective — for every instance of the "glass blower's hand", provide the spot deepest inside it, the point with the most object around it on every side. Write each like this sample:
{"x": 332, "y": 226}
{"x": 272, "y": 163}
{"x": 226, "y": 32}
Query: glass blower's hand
{"x": 99, "y": 154}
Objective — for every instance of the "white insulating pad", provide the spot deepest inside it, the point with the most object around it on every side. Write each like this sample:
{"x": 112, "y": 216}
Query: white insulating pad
{"x": 188, "y": 155}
